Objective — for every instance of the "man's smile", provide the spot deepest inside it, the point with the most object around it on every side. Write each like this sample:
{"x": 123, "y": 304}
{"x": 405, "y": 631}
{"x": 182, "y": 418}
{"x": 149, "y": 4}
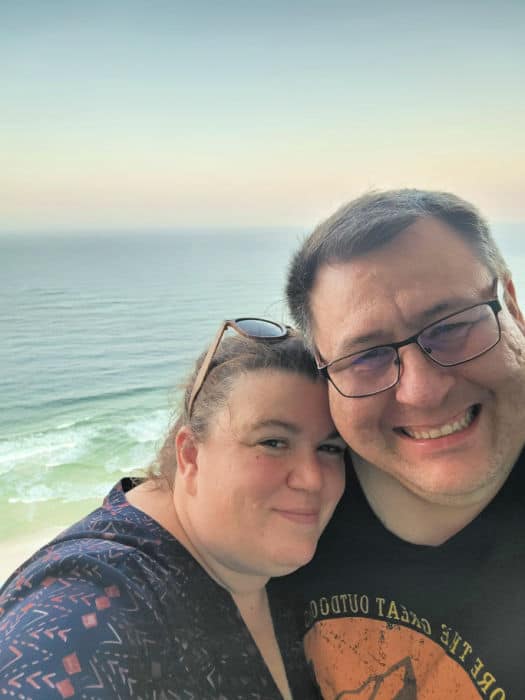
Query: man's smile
{"x": 455, "y": 425}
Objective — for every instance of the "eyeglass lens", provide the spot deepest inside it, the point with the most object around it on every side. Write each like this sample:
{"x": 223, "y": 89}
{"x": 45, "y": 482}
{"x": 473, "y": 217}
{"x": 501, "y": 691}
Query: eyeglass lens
{"x": 461, "y": 337}
{"x": 259, "y": 328}
{"x": 450, "y": 341}
{"x": 256, "y": 328}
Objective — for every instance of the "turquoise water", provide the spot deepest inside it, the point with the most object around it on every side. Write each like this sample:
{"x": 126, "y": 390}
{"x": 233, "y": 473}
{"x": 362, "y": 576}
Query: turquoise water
{"x": 96, "y": 333}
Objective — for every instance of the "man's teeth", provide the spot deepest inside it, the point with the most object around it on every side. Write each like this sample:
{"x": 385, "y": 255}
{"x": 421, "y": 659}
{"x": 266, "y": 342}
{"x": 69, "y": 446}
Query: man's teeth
{"x": 446, "y": 429}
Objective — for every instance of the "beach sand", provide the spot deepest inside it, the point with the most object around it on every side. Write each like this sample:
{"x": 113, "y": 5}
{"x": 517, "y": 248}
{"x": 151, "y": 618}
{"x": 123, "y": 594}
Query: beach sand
{"x": 16, "y": 551}
{"x": 24, "y": 528}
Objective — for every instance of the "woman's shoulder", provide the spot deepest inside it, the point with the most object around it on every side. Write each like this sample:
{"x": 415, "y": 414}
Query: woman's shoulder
{"x": 80, "y": 621}
{"x": 115, "y": 546}
{"x": 99, "y": 598}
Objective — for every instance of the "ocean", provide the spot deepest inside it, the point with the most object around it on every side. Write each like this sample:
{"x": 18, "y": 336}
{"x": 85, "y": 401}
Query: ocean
{"x": 98, "y": 331}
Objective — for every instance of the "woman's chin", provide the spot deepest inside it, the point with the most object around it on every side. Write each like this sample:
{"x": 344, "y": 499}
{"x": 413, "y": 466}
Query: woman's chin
{"x": 287, "y": 564}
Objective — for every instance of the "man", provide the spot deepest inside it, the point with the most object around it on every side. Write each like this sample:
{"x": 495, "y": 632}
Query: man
{"x": 418, "y": 587}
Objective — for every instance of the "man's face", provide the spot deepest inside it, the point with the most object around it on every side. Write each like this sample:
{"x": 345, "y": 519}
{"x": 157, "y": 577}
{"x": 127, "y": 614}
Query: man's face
{"x": 424, "y": 274}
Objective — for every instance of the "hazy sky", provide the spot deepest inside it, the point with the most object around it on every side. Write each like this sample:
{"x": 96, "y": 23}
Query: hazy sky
{"x": 132, "y": 114}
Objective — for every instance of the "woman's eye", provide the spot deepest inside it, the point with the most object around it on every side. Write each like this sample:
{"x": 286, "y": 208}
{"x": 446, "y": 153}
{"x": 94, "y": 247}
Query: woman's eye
{"x": 274, "y": 443}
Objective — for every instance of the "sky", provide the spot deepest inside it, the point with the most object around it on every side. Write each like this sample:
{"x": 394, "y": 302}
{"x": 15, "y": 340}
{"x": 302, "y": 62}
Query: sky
{"x": 157, "y": 114}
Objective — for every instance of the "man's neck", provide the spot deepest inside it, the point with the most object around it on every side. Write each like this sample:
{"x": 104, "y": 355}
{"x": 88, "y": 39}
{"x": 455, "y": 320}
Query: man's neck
{"x": 411, "y": 517}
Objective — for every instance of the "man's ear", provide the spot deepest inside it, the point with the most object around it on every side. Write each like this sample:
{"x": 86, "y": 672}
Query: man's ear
{"x": 511, "y": 302}
{"x": 187, "y": 449}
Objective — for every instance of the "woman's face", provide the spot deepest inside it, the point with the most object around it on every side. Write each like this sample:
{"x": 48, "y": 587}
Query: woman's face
{"x": 267, "y": 477}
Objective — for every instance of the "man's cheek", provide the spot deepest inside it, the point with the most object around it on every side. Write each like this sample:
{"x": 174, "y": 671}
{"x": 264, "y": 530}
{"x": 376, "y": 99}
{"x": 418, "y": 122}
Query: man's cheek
{"x": 353, "y": 425}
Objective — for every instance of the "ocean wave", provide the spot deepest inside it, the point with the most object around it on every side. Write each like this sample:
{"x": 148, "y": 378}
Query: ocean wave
{"x": 100, "y": 397}
{"x": 74, "y": 422}
{"x": 136, "y": 459}
{"x": 148, "y": 428}
{"x": 56, "y": 463}
{"x": 33, "y": 494}
{"x": 65, "y": 493}
{"x": 45, "y": 449}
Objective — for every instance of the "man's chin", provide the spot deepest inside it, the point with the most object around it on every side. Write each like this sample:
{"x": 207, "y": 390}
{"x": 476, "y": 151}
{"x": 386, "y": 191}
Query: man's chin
{"x": 455, "y": 484}
{"x": 450, "y": 480}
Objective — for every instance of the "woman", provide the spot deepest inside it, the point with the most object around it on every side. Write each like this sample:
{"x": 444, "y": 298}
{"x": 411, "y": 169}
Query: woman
{"x": 161, "y": 592}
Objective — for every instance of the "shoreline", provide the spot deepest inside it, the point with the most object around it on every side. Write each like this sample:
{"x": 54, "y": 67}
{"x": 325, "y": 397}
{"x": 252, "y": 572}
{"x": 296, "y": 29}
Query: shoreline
{"x": 15, "y": 551}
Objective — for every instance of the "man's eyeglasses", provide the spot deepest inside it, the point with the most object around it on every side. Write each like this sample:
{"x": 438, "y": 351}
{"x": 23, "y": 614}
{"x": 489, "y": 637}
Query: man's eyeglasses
{"x": 453, "y": 340}
{"x": 254, "y": 328}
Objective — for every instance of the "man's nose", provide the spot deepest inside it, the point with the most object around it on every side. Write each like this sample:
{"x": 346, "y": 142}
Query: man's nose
{"x": 307, "y": 472}
{"x": 422, "y": 382}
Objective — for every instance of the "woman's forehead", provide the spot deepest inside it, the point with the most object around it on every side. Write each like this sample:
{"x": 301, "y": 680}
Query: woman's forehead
{"x": 273, "y": 395}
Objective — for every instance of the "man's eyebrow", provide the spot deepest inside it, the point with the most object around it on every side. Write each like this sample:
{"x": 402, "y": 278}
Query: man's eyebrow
{"x": 442, "y": 308}
{"x": 334, "y": 435}
{"x": 357, "y": 343}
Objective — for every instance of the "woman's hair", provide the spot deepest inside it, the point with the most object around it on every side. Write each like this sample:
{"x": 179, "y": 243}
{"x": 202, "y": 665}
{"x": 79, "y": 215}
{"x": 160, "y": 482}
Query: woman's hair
{"x": 235, "y": 356}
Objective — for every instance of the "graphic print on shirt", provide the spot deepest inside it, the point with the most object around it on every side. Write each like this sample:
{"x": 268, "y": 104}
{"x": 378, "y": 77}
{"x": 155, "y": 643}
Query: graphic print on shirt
{"x": 379, "y": 659}
{"x": 396, "y": 682}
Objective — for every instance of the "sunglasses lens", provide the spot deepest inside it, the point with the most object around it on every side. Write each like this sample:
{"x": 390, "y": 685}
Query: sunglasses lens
{"x": 258, "y": 328}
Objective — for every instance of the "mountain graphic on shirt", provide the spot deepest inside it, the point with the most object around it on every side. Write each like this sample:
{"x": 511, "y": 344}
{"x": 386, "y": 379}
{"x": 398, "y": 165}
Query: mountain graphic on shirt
{"x": 397, "y": 683}
{"x": 359, "y": 657}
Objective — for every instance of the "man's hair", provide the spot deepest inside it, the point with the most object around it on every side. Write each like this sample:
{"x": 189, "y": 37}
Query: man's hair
{"x": 373, "y": 220}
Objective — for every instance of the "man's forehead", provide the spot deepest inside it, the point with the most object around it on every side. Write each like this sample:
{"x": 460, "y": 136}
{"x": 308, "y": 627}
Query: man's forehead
{"x": 376, "y": 328}
{"x": 396, "y": 289}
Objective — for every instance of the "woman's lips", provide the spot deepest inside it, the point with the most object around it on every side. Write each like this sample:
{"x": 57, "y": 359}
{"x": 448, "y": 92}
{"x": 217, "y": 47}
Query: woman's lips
{"x": 299, "y": 516}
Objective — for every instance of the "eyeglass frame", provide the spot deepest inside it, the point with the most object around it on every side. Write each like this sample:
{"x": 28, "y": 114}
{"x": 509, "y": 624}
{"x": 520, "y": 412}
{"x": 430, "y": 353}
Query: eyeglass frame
{"x": 205, "y": 367}
{"x": 494, "y": 304}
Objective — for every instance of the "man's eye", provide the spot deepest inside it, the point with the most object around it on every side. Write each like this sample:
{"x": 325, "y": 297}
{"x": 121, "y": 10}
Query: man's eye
{"x": 376, "y": 358}
{"x": 443, "y": 328}
{"x": 448, "y": 330}
{"x": 332, "y": 448}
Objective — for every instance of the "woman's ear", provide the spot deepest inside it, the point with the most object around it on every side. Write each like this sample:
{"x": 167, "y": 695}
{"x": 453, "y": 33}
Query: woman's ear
{"x": 187, "y": 449}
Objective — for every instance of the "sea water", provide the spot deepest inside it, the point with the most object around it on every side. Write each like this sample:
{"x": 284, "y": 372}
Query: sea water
{"x": 96, "y": 334}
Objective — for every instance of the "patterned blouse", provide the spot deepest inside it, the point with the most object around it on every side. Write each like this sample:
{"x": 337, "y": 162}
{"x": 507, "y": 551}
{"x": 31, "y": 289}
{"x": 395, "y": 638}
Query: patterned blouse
{"x": 115, "y": 608}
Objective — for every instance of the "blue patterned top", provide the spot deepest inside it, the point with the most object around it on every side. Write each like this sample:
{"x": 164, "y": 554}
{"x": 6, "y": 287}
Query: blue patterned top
{"x": 116, "y": 608}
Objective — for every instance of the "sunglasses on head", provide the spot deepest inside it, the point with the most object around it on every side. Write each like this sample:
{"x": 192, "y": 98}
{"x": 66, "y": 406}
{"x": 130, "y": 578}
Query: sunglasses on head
{"x": 254, "y": 328}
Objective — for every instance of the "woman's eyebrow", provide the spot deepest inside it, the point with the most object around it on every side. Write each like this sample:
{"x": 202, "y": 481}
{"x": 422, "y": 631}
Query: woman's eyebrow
{"x": 276, "y": 423}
